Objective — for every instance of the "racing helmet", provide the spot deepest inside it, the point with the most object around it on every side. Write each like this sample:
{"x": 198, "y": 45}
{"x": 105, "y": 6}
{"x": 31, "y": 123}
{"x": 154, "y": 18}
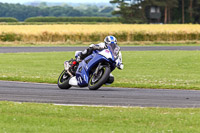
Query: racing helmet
{"x": 110, "y": 40}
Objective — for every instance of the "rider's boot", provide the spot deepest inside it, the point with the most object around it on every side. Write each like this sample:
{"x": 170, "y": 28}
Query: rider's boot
{"x": 110, "y": 79}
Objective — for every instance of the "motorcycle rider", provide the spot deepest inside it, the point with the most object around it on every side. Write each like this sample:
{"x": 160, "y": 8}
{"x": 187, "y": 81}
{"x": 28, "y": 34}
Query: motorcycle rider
{"x": 103, "y": 45}
{"x": 109, "y": 40}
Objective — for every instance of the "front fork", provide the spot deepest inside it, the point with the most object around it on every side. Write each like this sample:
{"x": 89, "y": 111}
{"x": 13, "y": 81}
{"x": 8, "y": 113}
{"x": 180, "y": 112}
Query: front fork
{"x": 97, "y": 69}
{"x": 67, "y": 66}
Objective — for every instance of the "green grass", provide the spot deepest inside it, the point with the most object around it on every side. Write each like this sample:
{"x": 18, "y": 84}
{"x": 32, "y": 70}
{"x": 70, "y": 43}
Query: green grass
{"x": 143, "y": 69}
{"x": 47, "y": 118}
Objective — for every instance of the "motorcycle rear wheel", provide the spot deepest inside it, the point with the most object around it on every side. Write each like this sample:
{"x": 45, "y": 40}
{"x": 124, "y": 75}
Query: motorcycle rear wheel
{"x": 63, "y": 80}
{"x": 97, "y": 81}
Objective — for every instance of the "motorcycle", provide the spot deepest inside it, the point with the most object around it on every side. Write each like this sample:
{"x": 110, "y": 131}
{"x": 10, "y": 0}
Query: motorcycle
{"x": 92, "y": 72}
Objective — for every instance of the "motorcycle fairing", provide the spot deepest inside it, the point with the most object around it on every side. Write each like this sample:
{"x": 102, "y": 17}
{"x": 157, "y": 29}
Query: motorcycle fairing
{"x": 84, "y": 68}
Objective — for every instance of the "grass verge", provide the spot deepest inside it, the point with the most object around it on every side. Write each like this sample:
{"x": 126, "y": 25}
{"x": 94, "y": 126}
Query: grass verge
{"x": 30, "y": 117}
{"x": 143, "y": 69}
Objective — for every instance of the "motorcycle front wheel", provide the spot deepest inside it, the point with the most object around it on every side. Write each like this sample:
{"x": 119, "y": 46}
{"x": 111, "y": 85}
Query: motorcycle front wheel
{"x": 96, "y": 81}
{"x": 63, "y": 80}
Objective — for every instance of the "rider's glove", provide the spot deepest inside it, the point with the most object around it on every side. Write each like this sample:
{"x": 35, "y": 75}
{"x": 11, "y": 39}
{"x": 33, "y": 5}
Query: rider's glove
{"x": 94, "y": 47}
{"x": 78, "y": 59}
{"x": 120, "y": 66}
{"x": 97, "y": 47}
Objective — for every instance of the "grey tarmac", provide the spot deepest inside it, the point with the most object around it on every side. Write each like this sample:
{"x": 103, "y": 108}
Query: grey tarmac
{"x": 105, "y": 96}
{"x": 123, "y": 48}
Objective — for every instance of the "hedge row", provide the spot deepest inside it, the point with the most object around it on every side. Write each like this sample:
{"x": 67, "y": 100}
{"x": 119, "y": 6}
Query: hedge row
{"x": 63, "y": 19}
{"x": 8, "y": 19}
{"x": 73, "y": 19}
{"x": 95, "y": 37}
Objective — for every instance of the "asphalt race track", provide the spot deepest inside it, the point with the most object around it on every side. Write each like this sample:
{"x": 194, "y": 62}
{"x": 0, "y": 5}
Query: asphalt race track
{"x": 50, "y": 93}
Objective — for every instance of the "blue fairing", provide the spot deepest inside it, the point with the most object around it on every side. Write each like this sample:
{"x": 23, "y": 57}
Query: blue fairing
{"x": 84, "y": 68}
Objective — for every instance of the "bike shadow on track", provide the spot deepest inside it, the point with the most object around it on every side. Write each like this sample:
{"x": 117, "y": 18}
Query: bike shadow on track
{"x": 100, "y": 89}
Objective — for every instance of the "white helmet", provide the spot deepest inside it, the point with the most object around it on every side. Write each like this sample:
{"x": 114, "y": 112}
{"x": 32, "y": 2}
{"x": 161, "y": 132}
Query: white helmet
{"x": 110, "y": 40}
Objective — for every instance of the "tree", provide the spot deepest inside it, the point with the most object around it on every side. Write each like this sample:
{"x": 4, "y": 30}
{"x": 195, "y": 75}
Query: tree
{"x": 166, "y": 5}
{"x": 183, "y": 11}
{"x": 190, "y": 9}
{"x": 43, "y": 5}
{"x": 22, "y": 12}
{"x": 196, "y": 9}
{"x": 130, "y": 12}
{"x": 171, "y": 4}
{"x": 107, "y": 9}
{"x": 138, "y": 9}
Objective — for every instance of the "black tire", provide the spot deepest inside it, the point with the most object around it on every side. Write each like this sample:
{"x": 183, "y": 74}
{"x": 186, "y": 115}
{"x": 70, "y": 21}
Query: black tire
{"x": 64, "y": 83}
{"x": 102, "y": 80}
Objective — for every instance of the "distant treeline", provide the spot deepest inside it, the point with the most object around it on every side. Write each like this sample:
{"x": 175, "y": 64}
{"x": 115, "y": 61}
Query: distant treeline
{"x": 73, "y": 19}
{"x": 64, "y": 19}
{"x": 158, "y": 11}
{"x": 22, "y": 12}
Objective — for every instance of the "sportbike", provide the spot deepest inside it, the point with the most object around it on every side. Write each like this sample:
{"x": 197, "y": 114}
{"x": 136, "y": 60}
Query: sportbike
{"x": 92, "y": 72}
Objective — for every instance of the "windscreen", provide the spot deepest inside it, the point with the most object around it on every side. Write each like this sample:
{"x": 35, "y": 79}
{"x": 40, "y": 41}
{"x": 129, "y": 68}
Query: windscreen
{"x": 114, "y": 49}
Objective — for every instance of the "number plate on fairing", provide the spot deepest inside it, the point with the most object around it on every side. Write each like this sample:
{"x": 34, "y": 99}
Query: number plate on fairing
{"x": 106, "y": 53}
